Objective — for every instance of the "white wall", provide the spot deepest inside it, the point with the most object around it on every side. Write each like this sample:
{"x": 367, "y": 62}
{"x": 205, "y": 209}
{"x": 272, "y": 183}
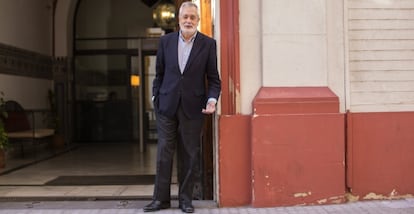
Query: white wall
{"x": 65, "y": 10}
{"x": 31, "y": 93}
{"x": 251, "y": 76}
{"x": 294, "y": 43}
{"x": 27, "y": 24}
{"x": 291, "y": 43}
{"x": 336, "y": 50}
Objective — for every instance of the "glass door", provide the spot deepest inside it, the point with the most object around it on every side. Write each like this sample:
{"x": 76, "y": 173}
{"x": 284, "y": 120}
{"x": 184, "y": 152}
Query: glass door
{"x": 103, "y": 97}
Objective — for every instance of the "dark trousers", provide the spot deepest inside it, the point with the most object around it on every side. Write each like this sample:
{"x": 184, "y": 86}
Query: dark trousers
{"x": 184, "y": 135}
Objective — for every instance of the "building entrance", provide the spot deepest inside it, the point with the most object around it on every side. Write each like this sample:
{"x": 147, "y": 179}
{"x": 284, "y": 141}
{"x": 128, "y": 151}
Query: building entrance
{"x": 108, "y": 119}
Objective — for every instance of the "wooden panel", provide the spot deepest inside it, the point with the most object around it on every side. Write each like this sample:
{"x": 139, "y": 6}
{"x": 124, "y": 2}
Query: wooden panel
{"x": 381, "y": 14}
{"x": 206, "y": 20}
{"x": 382, "y": 55}
{"x": 374, "y": 76}
{"x": 380, "y": 34}
{"x": 383, "y": 107}
{"x": 381, "y": 4}
{"x": 381, "y": 24}
{"x": 390, "y": 97}
{"x": 378, "y": 86}
{"x": 382, "y": 45}
{"x": 382, "y": 65}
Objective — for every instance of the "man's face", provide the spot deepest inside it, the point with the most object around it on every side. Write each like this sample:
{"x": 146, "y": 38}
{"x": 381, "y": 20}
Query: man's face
{"x": 188, "y": 20}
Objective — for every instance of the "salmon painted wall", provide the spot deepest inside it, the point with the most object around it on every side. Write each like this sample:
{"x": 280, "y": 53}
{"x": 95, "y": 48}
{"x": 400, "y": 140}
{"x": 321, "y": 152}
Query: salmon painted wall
{"x": 298, "y": 147}
{"x": 289, "y": 152}
{"x": 380, "y": 155}
{"x": 298, "y": 159}
{"x": 234, "y": 160}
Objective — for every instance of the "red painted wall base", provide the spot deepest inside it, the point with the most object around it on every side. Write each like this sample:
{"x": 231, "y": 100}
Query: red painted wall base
{"x": 298, "y": 159}
{"x": 298, "y": 147}
{"x": 381, "y": 155}
{"x": 277, "y": 157}
{"x": 234, "y": 160}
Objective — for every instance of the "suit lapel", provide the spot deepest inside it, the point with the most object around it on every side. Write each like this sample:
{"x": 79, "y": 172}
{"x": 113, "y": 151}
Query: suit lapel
{"x": 198, "y": 43}
{"x": 174, "y": 52}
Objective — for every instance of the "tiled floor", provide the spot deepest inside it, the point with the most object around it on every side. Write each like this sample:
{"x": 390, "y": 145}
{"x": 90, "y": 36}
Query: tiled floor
{"x": 87, "y": 159}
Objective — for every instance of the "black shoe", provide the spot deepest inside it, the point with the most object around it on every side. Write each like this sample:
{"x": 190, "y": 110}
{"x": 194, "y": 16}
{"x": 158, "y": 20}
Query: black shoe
{"x": 186, "y": 208}
{"x": 157, "y": 205}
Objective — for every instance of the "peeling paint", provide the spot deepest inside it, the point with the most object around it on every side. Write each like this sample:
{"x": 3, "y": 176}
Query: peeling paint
{"x": 351, "y": 198}
{"x": 336, "y": 199}
{"x": 303, "y": 194}
{"x": 392, "y": 195}
{"x": 333, "y": 200}
{"x": 323, "y": 201}
{"x": 238, "y": 100}
{"x": 231, "y": 85}
{"x": 374, "y": 196}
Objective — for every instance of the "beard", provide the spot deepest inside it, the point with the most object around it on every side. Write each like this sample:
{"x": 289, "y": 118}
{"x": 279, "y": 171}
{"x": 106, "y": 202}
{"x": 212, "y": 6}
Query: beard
{"x": 188, "y": 30}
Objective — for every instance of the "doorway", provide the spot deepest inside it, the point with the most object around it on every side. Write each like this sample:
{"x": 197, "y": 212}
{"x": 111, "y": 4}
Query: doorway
{"x": 110, "y": 47}
{"x": 106, "y": 108}
{"x": 119, "y": 33}
{"x": 125, "y": 44}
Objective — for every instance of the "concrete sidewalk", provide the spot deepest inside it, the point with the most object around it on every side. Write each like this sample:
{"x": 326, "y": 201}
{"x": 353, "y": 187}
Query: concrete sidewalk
{"x": 403, "y": 206}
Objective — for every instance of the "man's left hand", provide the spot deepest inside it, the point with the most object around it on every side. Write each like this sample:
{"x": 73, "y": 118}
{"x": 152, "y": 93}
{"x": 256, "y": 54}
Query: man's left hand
{"x": 210, "y": 108}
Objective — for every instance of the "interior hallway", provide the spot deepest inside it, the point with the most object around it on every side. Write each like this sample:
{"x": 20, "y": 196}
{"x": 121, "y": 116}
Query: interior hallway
{"x": 84, "y": 160}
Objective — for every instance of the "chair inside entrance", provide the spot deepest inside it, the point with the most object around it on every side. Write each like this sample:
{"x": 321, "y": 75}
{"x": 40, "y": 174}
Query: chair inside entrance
{"x": 21, "y": 129}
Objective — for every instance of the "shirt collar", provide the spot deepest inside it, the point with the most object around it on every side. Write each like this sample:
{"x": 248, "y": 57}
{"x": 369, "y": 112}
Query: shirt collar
{"x": 192, "y": 38}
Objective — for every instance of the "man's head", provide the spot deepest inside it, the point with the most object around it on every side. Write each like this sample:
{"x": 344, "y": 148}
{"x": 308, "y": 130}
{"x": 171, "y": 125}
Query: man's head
{"x": 188, "y": 18}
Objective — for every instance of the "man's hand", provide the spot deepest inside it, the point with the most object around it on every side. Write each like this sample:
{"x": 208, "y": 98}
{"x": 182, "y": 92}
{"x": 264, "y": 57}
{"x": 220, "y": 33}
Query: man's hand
{"x": 210, "y": 108}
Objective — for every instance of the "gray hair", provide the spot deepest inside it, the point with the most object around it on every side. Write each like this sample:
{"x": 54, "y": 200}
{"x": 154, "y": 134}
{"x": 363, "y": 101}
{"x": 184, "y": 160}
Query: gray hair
{"x": 188, "y": 4}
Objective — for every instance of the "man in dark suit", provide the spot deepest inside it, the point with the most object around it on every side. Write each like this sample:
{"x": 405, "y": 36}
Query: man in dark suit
{"x": 186, "y": 86}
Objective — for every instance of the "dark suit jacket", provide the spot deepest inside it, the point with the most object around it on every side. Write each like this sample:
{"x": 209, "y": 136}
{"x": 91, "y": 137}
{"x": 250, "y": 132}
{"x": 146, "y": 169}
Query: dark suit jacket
{"x": 191, "y": 88}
